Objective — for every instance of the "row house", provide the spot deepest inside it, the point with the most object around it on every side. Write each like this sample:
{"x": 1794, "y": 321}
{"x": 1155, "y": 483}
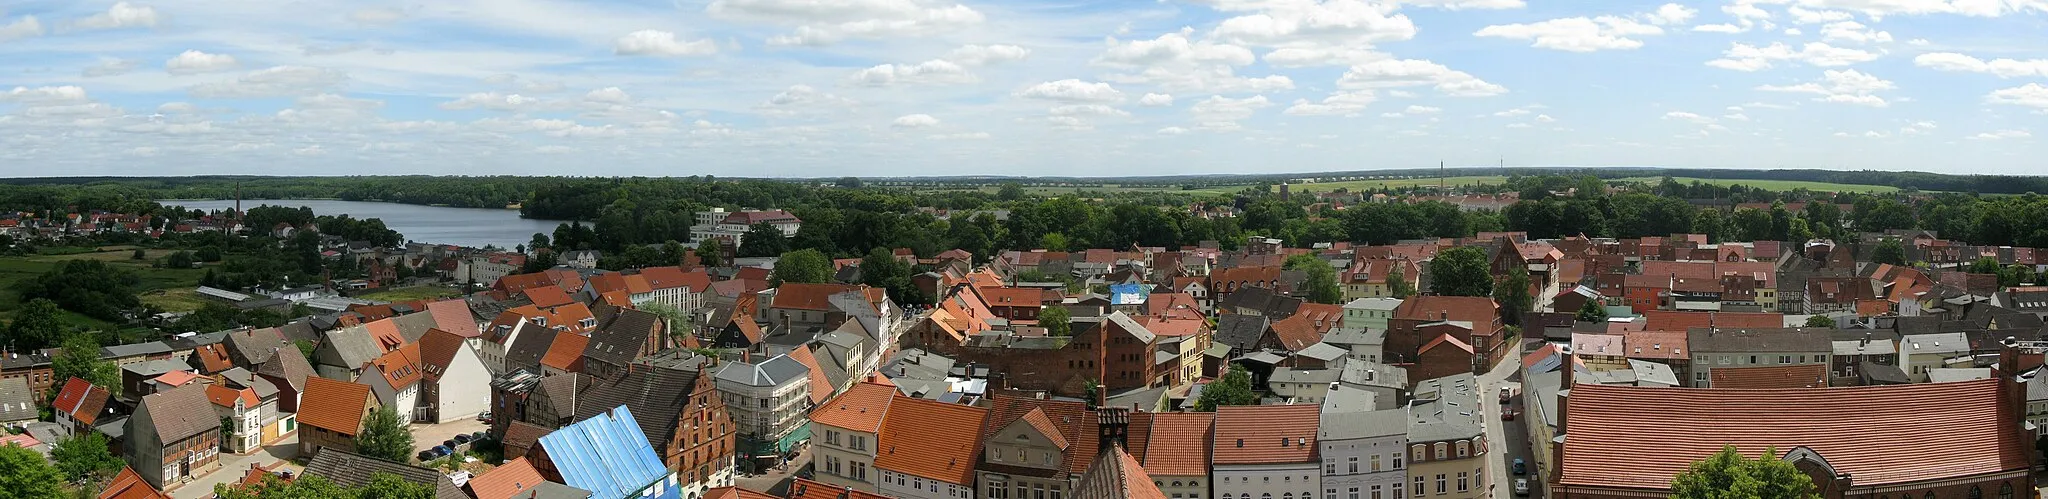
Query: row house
{"x": 680, "y": 413}
{"x": 1266, "y": 451}
{"x": 173, "y": 436}
{"x": 846, "y": 436}
{"x": 927, "y": 449}
{"x": 1374, "y": 278}
{"x": 1033, "y": 448}
{"x": 1363, "y": 453}
{"x": 1715, "y": 348}
{"x": 1446, "y": 439}
{"x": 1479, "y": 316}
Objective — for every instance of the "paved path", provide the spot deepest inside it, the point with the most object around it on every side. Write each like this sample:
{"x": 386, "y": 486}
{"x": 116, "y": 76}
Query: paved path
{"x": 233, "y": 467}
{"x": 1506, "y": 439}
{"x": 776, "y": 481}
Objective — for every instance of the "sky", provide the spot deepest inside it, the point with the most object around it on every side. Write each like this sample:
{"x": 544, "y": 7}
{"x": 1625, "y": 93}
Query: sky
{"x": 828, "y": 88}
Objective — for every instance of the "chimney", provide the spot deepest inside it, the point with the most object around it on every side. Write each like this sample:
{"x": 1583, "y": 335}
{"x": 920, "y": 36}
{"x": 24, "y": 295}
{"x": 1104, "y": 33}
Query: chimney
{"x": 2017, "y": 366}
{"x": 1566, "y": 377}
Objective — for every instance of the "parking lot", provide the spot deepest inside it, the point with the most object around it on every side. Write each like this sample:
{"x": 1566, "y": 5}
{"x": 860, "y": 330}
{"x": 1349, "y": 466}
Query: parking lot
{"x": 426, "y": 436}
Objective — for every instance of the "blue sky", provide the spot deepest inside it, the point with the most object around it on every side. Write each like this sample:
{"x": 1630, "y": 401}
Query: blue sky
{"x": 823, "y": 88}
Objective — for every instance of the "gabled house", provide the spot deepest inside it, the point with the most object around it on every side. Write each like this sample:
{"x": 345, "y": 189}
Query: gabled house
{"x": 345, "y": 351}
{"x": 332, "y": 414}
{"x": 80, "y": 405}
{"x": 1257, "y": 448}
{"x": 130, "y": 485}
{"x": 452, "y": 374}
{"x": 769, "y": 402}
{"x": 1117, "y": 475}
{"x": 395, "y": 379}
{"x": 17, "y": 403}
{"x": 242, "y": 412}
{"x": 846, "y": 435}
{"x": 623, "y": 335}
{"x": 1034, "y": 444}
{"x": 173, "y": 436}
{"x": 680, "y": 412}
{"x": 927, "y": 449}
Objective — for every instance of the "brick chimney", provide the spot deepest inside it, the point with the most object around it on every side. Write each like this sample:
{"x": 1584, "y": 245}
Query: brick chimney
{"x": 1564, "y": 393}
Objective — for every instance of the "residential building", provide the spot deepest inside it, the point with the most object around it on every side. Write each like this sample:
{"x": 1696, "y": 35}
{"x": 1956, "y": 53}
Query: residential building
{"x": 272, "y": 422}
{"x": 1715, "y": 348}
{"x": 769, "y": 402}
{"x": 1406, "y": 335}
{"x": 1362, "y": 453}
{"x": 17, "y": 403}
{"x": 332, "y": 413}
{"x": 927, "y": 449}
{"x": 240, "y": 410}
{"x": 1175, "y": 450}
{"x": 1370, "y": 314}
{"x": 679, "y": 410}
{"x": 452, "y": 373}
{"x": 607, "y": 455}
{"x": 851, "y": 426}
{"x": 731, "y": 227}
{"x": 518, "y": 479}
{"x": 80, "y": 405}
{"x": 1372, "y": 278}
{"x": 395, "y": 378}
{"x": 1447, "y": 445}
{"x": 1920, "y": 352}
{"x": 173, "y": 436}
{"x": 352, "y": 470}
{"x": 129, "y": 485}
{"x": 1266, "y": 451}
{"x": 1035, "y": 448}
{"x": 1117, "y": 475}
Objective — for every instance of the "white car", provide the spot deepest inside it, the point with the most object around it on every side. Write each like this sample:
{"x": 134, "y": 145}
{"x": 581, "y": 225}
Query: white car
{"x": 1521, "y": 486}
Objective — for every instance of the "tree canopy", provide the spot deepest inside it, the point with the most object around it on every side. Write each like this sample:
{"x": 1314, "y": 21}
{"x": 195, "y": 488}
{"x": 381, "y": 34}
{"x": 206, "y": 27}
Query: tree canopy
{"x": 381, "y": 486}
{"x": 86, "y": 286}
{"x": 79, "y": 357}
{"x": 763, "y": 239}
{"x": 1889, "y": 250}
{"x": 1592, "y": 312}
{"x": 1729, "y": 475}
{"x": 1056, "y": 320}
{"x": 1513, "y": 295}
{"x": 1460, "y": 271}
{"x": 24, "y": 474}
{"x": 1819, "y": 321}
{"x": 805, "y": 265}
{"x": 384, "y": 437}
{"x": 83, "y": 457}
{"x": 1235, "y": 388}
{"x": 35, "y": 325}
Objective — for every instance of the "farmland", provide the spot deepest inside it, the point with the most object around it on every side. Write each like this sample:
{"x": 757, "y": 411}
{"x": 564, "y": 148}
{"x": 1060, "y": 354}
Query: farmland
{"x": 1775, "y": 185}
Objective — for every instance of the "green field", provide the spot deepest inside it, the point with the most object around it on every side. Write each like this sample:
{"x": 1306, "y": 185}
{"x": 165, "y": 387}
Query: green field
{"x": 1775, "y": 185}
{"x": 15, "y": 269}
{"x": 1296, "y": 186}
{"x": 412, "y": 293}
{"x": 174, "y": 299}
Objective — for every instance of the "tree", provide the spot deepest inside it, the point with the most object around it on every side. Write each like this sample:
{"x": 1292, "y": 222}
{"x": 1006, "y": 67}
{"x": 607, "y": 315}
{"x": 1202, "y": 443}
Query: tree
{"x": 1985, "y": 265}
{"x": 1056, "y": 320}
{"x": 207, "y": 254}
{"x": 763, "y": 239}
{"x": 35, "y": 326}
{"x": 1592, "y": 312}
{"x": 306, "y": 347}
{"x": 1397, "y": 283}
{"x": 384, "y": 437}
{"x": 538, "y": 242}
{"x": 881, "y": 269}
{"x": 138, "y": 255}
{"x": 79, "y": 357}
{"x": 1728, "y": 475}
{"x": 1820, "y": 321}
{"x": 89, "y": 287}
{"x": 711, "y": 251}
{"x": 24, "y": 474}
{"x": 1513, "y": 295}
{"x": 1234, "y": 389}
{"x": 541, "y": 260}
{"x": 1053, "y": 241}
{"x": 1889, "y": 250}
{"x": 382, "y": 485}
{"x": 179, "y": 260}
{"x": 84, "y": 458}
{"x": 1460, "y": 271}
{"x": 1010, "y": 191}
{"x": 1322, "y": 284}
{"x": 850, "y": 182}
{"x": 805, "y": 265}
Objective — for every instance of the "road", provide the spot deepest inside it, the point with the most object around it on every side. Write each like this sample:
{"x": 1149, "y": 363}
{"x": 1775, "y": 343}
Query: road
{"x": 233, "y": 467}
{"x": 1508, "y": 440}
{"x": 776, "y": 481}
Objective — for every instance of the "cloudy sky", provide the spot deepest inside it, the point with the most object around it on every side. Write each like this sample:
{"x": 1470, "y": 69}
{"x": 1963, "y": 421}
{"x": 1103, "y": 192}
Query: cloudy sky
{"x": 821, "y": 88}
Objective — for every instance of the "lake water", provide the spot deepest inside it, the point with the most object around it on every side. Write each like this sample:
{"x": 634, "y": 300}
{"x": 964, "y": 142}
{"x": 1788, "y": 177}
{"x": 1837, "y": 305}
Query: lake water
{"x": 472, "y": 227}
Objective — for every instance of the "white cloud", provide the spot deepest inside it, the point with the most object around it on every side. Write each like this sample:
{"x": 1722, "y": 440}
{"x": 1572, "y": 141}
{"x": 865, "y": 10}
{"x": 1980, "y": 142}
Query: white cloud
{"x": 1071, "y": 90}
{"x": 1155, "y": 100}
{"x": 1719, "y": 28}
{"x": 195, "y": 62}
{"x": 1219, "y": 112}
{"x": 1394, "y": 73}
{"x": 2002, "y": 135}
{"x": 1545, "y": 118}
{"x": 1343, "y": 103}
{"x": 1511, "y": 113}
{"x": 1918, "y": 128}
{"x": 492, "y": 101}
{"x": 1745, "y": 57}
{"x": 45, "y": 96}
{"x": 1466, "y": 4}
{"x": 979, "y": 55}
{"x": 1918, "y": 42}
{"x": 1211, "y": 78}
{"x": 2004, "y": 68}
{"x": 804, "y": 97}
{"x": 1413, "y": 110}
{"x": 332, "y": 101}
{"x": 915, "y": 121}
{"x": 1689, "y": 117}
{"x": 1171, "y": 48}
{"x": 1576, "y": 34}
{"x": 1803, "y": 15}
{"x": 276, "y": 81}
{"x": 652, "y": 42}
{"x": 1976, "y": 8}
{"x": 26, "y": 26}
{"x": 121, "y": 15}
{"x": 2032, "y": 95}
{"x": 376, "y": 15}
{"x": 935, "y": 71}
{"x": 1520, "y": 125}
{"x": 1324, "y": 24}
{"x": 959, "y": 136}
{"x": 1671, "y": 13}
{"x": 1853, "y": 32}
{"x": 111, "y": 67}
{"x": 1086, "y": 110}
{"x": 820, "y": 23}
{"x": 1793, "y": 32}
{"x": 1735, "y": 116}
{"x": 1173, "y": 130}
{"x": 608, "y": 95}
{"x": 1847, "y": 86}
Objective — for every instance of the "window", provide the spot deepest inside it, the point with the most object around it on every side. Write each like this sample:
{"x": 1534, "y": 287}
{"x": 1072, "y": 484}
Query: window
{"x": 832, "y": 437}
{"x": 1329, "y": 464}
{"x": 1397, "y": 461}
{"x": 1464, "y": 449}
{"x": 1440, "y": 482}
{"x": 2005, "y": 491}
{"x": 1375, "y": 464}
{"x": 1418, "y": 489}
{"x": 1352, "y": 462}
{"x": 1464, "y": 481}
{"x": 1976, "y": 493}
{"x": 1375, "y": 492}
{"x": 1441, "y": 450}
{"x": 1329, "y": 493}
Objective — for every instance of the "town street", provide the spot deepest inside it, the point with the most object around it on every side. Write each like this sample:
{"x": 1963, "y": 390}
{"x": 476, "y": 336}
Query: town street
{"x": 234, "y": 466}
{"x": 1505, "y": 439}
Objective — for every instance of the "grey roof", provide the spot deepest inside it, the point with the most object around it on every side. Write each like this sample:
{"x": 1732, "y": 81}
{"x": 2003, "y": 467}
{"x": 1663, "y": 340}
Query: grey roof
{"x": 134, "y": 350}
{"x": 562, "y": 391}
{"x": 1445, "y": 409}
{"x": 353, "y": 470}
{"x": 532, "y": 344}
{"x": 179, "y": 413}
{"x": 17, "y": 403}
{"x": 1373, "y": 374}
{"x": 656, "y": 395}
{"x": 1346, "y": 336}
{"x": 622, "y": 335}
{"x": 1262, "y": 357}
{"x": 1268, "y": 302}
{"x": 1541, "y": 389}
{"x": 254, "y": 346}
{"x": 1342, "y": 400}
{"x": 1882, "y": 374}
{"x": 414, "y": 325}
{"x": 1292, "y": 375}
{"x": 353, "y": 345}
{"x": 1653, "y": 373}
{"x": 917, "y": 364}
{"x": 1241, "y": 331}
{"x": 196, "y": 341}
{"x": 1124, "y": 322}
{"x": 241, "y": 378}
{"x": 1790, "y": 339}
{"x": 1936, "y": 343}
{"x": 154, "y": 368}
{"x": 114, "y": 430}
{"x": 772, "y": 372}
{"x": 288, "y": 365}
{"x": 1387, "y": 304}
{"x": 1861, "y": 347}
{"x": 1947, "y": 375}
{"x": 1363, "y": 424}
{"x": 1323, "y": 351}
{"x": 45, "y": 431}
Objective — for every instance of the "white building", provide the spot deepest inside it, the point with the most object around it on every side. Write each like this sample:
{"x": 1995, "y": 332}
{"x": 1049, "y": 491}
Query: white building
{"x": 1266, "y": 452}
{"x": 1921, "y": 352}
{"x": 846, "y": 434}
{"x": 770, "y": 403}
{"x": 1362, "y": 453}
{"x": 395, "y": 379}
{"x": 732, "y": 226}
{"x": 453, "y": 371}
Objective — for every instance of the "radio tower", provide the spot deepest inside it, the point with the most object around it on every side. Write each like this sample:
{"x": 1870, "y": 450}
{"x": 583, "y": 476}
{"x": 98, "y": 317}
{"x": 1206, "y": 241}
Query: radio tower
{"x": 1440, "y": 172}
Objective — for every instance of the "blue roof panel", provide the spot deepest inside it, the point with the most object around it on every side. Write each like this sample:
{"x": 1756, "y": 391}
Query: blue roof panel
{"x": 608, "y": 455}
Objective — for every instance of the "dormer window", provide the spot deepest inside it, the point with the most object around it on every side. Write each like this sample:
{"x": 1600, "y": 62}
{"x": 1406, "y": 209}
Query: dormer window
{"x": 587, "y": 323}
{"x": 540, "y": 320}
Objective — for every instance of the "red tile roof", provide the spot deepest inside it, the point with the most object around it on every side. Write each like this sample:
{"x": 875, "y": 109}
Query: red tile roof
{"x": 1929, "y": 432}
{"x": 674, "y": 277}
{"x": 1655, "y": 345}
{"x": 1789, "y": 376}
{"x": 1038, "y": 421}
{"x": 213, "y": 358}
{"x": 1446, "y": 341}
{"x": 1178, "y": 443}
{"x": 437, "y": 350}
{"x": 506, "y": 481}
{"x": 385, "y": 332}
{"x": 821, "y": 388}
{"x": 1296, "y": 332}
{"x": 806, "y": 489}
{"x": 401, "y": 366}
{"x": 82, "y": 400}
{"x": 1267, "y": 434}
{"x": 454, "y": 316}
{"x": 1010, "y": 297}
{"x": 1076, "y": 423}
{"x": 334, "y": 405}
{"x": 734, "y": 493}
{"x": 175, "y": 378}
{"x": 931, "y": 439}
{"x": 566, "y": 351}
{"x": 861, "y": 408}
{"x": 807, "y": 296}
{"x": 1478, "y": 310}
{"x": 129, "y": 485}
{"x": 226, "y": 397}
{"x": 547, "y": 296}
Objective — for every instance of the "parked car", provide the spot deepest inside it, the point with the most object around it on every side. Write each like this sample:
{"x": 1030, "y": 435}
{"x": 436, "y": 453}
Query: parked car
{"x": 462, "y": 438}
{"x": 1521, "y": 467}
{"x": 484, "y": 416}
{"x": 1506, "y": 394}
{"x": 1521, "y": 486}
{"x": 425, "y": 455}
{"x": 1507, "y": 414}
{"x": 451, "y": 444}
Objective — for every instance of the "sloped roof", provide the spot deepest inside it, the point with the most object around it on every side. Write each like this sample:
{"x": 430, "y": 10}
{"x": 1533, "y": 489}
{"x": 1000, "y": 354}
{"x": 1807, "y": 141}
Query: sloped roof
{"x": 1296, "y": 333}
{"x": 1786, "y": 376}
{"x": 179, "y": 413}
{"x": 1446, "y": 341}
{"x": 506, "y": 481}
{"x": 289, "y": 365}
{"x": 771, "y": 372}
{"x": 82, "y": 400}
{"x": 437, "y": 349}
{"x": 1072, "y": 419}
{"x": 334, "y": 405}
{"x": 622, "y": 336}
{"x": 547, "y": 296}
{"x": 1266, "y": 434}
{"x": 226, "y": 397}
{"x": 806, "y": 489}
{"x": 1044, "y": 425}
{"x": 454, "y": 316}
{"x": 355, "y": 470}
{"x": 1961, "y": 422}
{"x": 212, "y": 358}
{"x": 606, "y": 454}
{"x": 807, "y": 296}
{"x": 533, "y": 344}
{"x": 821, "y": 388}
{"x": 1116, "y": 475}
{"x": 1478, "y": 310}
{"x": 354, "y": 346}
{"x": 1241, "y": 331}
{"x": 1177, "y": 443}
{"x": 861, "y": 408}
{"x": 129, "y": 485}
{"x": 658, "y": 393}
{"x": 1673, "y": 320}
{"x": 567, "y": 349}
{"x": 16, "y": 401}
{"x": 931, "y": 439}
{"x": 523, "y": 434}
{"x": 674, "y": 277}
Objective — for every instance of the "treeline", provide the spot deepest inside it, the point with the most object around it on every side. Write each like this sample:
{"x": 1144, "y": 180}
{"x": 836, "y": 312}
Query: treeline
{"x": 467, "y": 192}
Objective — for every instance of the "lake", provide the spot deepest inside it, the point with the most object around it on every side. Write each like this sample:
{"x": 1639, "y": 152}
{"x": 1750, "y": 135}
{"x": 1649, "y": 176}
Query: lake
{"x": 472, "y": 227}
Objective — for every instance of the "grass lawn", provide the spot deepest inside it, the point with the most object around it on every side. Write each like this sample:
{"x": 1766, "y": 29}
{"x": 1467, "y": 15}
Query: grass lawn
{"x": 15, "y": 269}
{"x": 412, "y": 293}
{"x": 1775, "y": 185}
{"x": 174, "y": 299}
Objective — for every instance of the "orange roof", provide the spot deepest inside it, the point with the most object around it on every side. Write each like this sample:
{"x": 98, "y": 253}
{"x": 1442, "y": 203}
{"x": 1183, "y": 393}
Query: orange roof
{"x": 176, "y": 378}
{"x": 806, "y": 296}
{"x": 520, "y": 282}
{"x": 1787, "y": 376}
{"x": 1267, "y": 434}
{"x": 1012, "y": 297}
{"x": 616, "y": 298}
{"x": 565, "y": 352}
{"x": 547, "y": 296}
{"x": 1172, "y": 326}
{"x": 1296, "y": 332}
{"x": 806, "y": 489}
{"x": 1668, "y": 270}
{"x": 506, "y": 481}
{"x": 226, "y": 397}
{"x": 1960, "y": 422}
{"x": 1080, "y": 425}
{"x": 1672, "y": 320}
{"x": 437, "y": 350}
{"x": 1038, "y": 421}
{"x": 568, "y": 280}
{"x": 1175, "y": 305}
{"x": 82, "y": 400}
{"x": 401, "y": 366}
{"x": 931, "y": 439}
{"x": 1323, "y": 316}
{"x": 213, "y": 358}
{"x": 334, "y": 405}
{"x": 860, "y": 409}
{"x": 453, "y": 316}
{"x": 1178, "y": 444}
{"x": 735, "y": 493}
{"x": 129, "y": 485}
{"x": 1478, "y": 310}
{"x": 385, "y": 331}
{"x": 821, "y": 388}
{"x": 1446, "y": 340}
{"x": 1654, "y": 344}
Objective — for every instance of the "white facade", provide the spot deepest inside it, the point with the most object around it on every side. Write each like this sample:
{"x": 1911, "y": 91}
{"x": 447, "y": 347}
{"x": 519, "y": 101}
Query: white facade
{"x": 908, "y": 486}
{"x": 1268, "y": 481}
{"x": 481, "y": 270}
{"x": 404, "y": 399}
{"x": 1364, "y": 468}
{"x": 1920, "y": 352}
{"x": 458, "y": 394}
{"x": 844, "y": 457}
{"x": 248, "y": 422}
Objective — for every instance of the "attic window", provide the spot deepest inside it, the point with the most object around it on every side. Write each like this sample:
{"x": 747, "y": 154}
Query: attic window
{"x": 1240, "y": 442}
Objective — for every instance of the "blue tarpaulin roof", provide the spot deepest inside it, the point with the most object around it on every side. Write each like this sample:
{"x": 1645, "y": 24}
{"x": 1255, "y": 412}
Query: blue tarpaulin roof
{"x": 1126, "y": 294}
{"x": 610, "y": 457}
